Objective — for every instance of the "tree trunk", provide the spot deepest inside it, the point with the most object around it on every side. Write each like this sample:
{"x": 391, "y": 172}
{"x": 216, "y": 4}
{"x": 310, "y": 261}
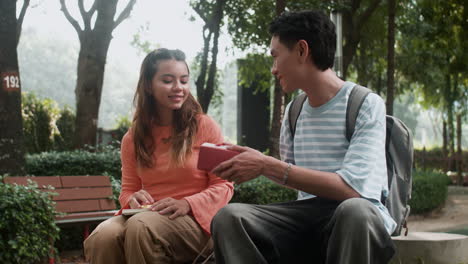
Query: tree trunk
{"x": 391, "y": 56}
{"x": 352, "y": 26}
{"x": 278, "y": 102}
{"x": 11, "y": 122}
{"x": 94, "y": 44}
{"x": 379, "y": 89}
{"x": 201, "y": 79}
{"x": 278, "y": 109}
{"x": 210, "y": 82}
{"x": 90, "y": 77}
{"x": 444, "y": 138}
{"x": 459, "y": 149}
{"x": 450, "y": 121}
{"x": 206, "y": 80}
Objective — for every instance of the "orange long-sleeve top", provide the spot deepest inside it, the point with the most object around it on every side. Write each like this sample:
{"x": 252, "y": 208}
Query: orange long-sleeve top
{"x": 205, "y": 192}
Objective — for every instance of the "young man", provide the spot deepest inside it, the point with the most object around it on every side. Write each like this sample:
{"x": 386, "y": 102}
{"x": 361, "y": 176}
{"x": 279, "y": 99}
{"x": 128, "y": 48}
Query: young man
{"x": 338, "y": 217}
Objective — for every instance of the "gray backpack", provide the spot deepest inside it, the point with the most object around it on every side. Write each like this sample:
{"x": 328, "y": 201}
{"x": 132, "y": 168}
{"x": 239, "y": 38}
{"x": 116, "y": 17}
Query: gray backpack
{"x": 398, "y": 152}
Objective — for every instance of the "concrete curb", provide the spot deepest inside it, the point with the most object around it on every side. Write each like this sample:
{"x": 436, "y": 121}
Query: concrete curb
{"x": 431, "y": 248}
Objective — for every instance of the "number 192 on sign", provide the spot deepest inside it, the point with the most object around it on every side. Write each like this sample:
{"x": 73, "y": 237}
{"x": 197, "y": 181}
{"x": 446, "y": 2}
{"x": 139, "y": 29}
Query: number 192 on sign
{"x": 10, "y": 81}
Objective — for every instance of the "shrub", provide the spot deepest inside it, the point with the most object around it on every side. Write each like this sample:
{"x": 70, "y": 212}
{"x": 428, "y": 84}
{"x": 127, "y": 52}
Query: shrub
{"x": 123, "y": 124}
{"x": 106, "y": 161}
{"x": 262, "y": 191}
{"x": 66, "y": 128}
{"x": 429, "y": 191}
{"x": 39, "y": 117}
{"x": 435, "y": 159}
{"x": 116, "y": 188}
{"x": 27, "y": 227}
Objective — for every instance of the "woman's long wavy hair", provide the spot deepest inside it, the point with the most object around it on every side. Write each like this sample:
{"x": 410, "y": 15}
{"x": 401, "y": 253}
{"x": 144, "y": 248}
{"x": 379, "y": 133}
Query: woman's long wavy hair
{"x": 184, "y": 123}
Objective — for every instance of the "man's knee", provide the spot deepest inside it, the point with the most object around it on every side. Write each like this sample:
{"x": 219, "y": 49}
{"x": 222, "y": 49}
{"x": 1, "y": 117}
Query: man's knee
{"x": 356, "y": 211}
{"x": 227, "y": 216}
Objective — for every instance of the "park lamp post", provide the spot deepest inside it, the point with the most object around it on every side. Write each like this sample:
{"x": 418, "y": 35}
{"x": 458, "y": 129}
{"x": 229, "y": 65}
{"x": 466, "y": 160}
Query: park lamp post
{"x": 336, "y": 16}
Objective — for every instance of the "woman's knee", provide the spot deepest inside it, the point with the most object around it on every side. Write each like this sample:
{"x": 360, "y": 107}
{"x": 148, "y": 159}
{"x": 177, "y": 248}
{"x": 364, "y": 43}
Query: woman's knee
{"x": 108, "y": 233}
{"x": 148, "y": 224}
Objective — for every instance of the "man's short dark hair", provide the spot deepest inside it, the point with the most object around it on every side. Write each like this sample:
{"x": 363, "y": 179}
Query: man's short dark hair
{"x": 312, "y": 26}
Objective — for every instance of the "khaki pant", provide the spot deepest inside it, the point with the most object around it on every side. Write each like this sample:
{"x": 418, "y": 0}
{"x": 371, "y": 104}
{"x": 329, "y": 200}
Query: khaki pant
{"x": 146, "y": 237}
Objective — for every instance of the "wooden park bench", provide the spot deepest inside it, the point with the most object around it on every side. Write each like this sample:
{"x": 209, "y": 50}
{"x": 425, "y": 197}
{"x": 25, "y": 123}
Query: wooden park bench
{"x": 84, "y": 200}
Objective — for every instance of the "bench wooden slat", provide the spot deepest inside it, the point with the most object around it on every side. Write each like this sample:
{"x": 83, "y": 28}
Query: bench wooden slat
{"x": 85, "y": 181}
{"x": 40, "y": 180}
{"x": 106, "y": 204}
{"x": 78, "y": 206}
{"x": 82, "y": 193}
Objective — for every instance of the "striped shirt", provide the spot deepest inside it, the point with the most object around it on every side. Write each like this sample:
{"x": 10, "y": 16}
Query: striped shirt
{"x": 320, "y": 143}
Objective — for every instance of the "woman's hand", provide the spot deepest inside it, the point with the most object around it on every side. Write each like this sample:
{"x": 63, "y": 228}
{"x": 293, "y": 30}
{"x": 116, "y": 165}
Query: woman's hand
{"x": 243, "y": 167}
{"x": 172, "y": 206}
{"x": 140, "y": 198}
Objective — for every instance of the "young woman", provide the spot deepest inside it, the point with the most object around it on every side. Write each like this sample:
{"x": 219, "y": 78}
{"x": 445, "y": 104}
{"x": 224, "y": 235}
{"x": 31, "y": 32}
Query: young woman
{"x": 159, "y": 158}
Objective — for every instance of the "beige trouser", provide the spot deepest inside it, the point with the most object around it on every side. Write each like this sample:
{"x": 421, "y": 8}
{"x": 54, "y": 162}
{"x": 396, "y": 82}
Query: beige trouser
{"x": 146, "y": 237}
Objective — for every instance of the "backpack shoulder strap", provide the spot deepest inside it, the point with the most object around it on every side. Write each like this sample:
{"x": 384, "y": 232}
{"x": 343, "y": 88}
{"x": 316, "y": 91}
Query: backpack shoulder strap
{"x": 294, "y": 111}
{"x": 355, "y": 100}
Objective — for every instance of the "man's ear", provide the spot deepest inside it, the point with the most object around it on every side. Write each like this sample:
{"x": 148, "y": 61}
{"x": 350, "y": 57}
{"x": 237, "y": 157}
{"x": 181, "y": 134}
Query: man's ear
{"x": 303, "y": 50}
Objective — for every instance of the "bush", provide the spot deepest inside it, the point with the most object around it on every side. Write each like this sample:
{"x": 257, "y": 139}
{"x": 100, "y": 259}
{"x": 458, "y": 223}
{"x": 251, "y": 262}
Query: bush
{"x": 429, "y": 191}
{"x": 123, "y": 124}
{"x": 66, "y": 127}
{"x": 45, "y": 127}
{"x": 435, "y": 159}
{"x": 78, "y": 162}
{"x": 27, "y": 227}
{"x": 262, "y": 191}
{"x": 39, "y": 117}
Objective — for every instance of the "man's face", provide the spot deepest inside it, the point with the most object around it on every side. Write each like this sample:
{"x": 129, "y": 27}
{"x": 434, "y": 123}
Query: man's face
{"x": 285, "y": 64}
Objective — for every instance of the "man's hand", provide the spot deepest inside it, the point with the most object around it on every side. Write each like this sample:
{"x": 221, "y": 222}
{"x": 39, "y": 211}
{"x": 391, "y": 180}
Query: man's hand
{"x": 172, "y": 206}
{"x": 140, "y": 198}
{"x": 243, "y": 167}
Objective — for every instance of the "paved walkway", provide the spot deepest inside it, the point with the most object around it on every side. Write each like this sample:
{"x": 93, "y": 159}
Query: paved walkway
{"x": 453, "y": 216}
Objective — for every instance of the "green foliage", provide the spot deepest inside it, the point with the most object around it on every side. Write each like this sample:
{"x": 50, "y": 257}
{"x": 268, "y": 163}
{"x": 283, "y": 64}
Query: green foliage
{"x": 249, "y": 19}
{"x": 140, "y": 41}
{"x": 39, "y": 117}
{"x": 116, "y": 188}
{"x": 435, "y": 36}
{"x": 27, "y": 226}
{"x": 254, "y": 71}
{"x": 123, "y": 124}
{"x": 262, "y": 191}
{"x": 429, "y": 191}
{"x": 45, "y": 126}
{"x": 66, "y": 128}
{"x": 78, "y": 162}
{"x": 433, "y": 159}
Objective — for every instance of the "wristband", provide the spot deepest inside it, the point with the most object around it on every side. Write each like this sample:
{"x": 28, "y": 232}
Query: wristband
{"x": 286, "y": 174}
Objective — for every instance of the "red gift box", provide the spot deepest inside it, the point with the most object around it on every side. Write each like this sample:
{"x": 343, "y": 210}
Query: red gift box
{"x": 211, "y": 155}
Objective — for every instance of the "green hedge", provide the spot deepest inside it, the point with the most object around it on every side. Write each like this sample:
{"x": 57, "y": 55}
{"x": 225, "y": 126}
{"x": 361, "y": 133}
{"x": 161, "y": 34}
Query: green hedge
{"x": 429, "y": 191}
{"x": 105, "y": 161}
{"x": 262, "y": 191}
{"x": 27, "y": 225}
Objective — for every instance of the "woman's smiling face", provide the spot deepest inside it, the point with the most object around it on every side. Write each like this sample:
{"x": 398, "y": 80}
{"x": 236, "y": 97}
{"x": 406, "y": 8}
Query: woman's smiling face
{"x": 170, "y": 85}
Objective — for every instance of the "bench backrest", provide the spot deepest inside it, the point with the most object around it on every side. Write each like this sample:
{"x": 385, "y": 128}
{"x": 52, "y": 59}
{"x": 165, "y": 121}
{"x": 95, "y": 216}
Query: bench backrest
{"x": 76, "y": 194}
